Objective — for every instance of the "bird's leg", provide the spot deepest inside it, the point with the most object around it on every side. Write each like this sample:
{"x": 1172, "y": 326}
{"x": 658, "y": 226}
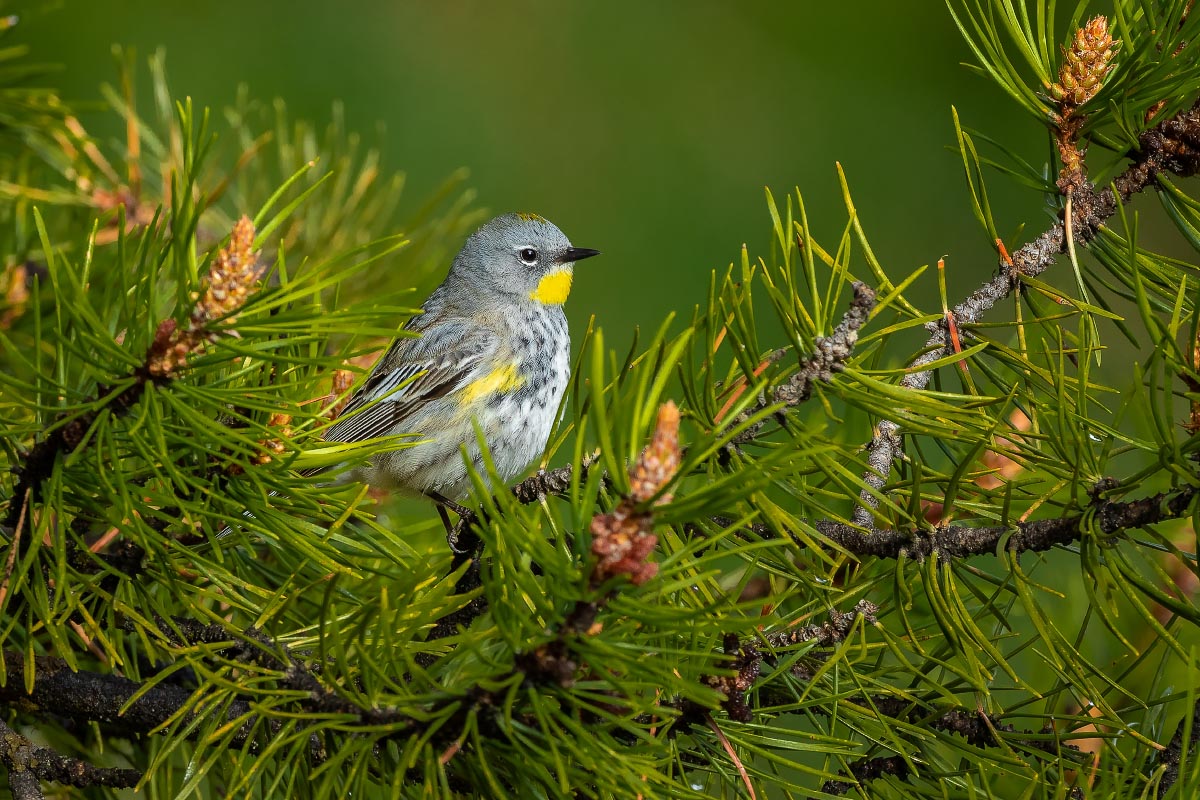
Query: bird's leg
{"x": 460, "y": 544}
{"x": 445, "y": 515}
{"x": 445, "y": 502}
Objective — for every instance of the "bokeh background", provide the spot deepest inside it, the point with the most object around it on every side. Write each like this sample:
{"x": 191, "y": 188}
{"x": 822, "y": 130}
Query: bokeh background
{"x": 647, "y": 130}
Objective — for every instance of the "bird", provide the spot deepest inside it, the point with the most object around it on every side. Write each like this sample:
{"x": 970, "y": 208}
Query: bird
{"x": 491, "y": 349}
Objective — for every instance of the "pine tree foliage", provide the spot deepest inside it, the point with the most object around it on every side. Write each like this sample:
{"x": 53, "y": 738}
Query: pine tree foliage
{"x": 830, "y": 562}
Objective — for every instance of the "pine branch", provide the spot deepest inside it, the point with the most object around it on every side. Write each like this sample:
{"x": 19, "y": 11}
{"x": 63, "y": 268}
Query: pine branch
{"x": 744, "y": 658}
{"x": 231, "y": 279}
{"x": 1170, "y": 758}
{"x": 979, "y": 729}
{"x": 958, "y": 542}
{"x": 1171, "y": 146}
{"x": 86, "y": 696}
{"x": 869, "y": 769}
{"x": 829, "y": 357}
{"x": 622, "y": 541}
{"x": 27, "y": 764}
{"x": 90, "y": 696}
{"x": 829, "y": 633}
{"x": 253, "y": 646}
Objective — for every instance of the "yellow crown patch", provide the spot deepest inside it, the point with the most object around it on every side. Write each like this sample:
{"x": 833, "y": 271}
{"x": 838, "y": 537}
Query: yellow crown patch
{"x": 528, "y": 217}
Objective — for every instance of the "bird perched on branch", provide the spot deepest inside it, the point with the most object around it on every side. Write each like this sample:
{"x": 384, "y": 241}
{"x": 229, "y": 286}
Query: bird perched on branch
{"x": 493, "y": 350}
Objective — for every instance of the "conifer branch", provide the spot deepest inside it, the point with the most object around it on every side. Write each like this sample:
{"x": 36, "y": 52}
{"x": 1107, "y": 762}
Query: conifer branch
{"x": 745, "y": 657}
{"x": 978, "y": 729}
{"x": 623, "y": 538}
{"x": 867, "y": 770}
{"x": 829, "y": 356}
{"x": 622, "y": 541}
{"x": 252, "y": 646}
{"x": 1084, "y": 69}
{"x": 85, "y": 696}
{"x": 1170, "y": 758}
{"x": 1171, "y": 146}
{"x": 28, "y": 764}
{"x": 959, "y": 542}
{"x": 231, "y": 280}
{"x": 829, "y": 633}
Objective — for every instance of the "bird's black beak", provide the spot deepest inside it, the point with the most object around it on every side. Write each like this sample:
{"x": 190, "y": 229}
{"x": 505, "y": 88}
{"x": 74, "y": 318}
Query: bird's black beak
{"x": 574, "y": 254}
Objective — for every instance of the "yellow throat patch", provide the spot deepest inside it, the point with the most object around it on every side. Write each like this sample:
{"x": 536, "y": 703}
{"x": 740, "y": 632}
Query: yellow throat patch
{"x": 553, "y": 288}
{"x": 501, "y": 379}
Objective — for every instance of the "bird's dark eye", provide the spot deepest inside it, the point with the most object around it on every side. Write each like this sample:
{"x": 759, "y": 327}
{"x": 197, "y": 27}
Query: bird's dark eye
{"x": 529, "y": 255}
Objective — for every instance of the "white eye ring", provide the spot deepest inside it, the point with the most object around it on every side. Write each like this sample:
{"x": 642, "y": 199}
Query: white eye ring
{"x": 528, "y": 255}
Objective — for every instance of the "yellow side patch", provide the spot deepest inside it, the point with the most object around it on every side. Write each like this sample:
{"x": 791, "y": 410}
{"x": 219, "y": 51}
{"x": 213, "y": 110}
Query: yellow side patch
{"x": 553, "y": 288}
{"x": 501, "y": 379}
{"x": 528, "y": 217}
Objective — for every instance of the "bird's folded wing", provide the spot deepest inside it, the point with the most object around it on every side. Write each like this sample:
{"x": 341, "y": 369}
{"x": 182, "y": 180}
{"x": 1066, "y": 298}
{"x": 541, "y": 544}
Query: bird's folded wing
{"x": 413, "y": 373}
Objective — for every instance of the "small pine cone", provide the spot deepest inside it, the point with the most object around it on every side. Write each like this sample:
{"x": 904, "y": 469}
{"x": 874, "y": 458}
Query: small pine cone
{"x": 1086, "y": 65}
{"x": 231, "y": 277}
{"x": 623, "y": 540}
{"x": 659, "y": 460}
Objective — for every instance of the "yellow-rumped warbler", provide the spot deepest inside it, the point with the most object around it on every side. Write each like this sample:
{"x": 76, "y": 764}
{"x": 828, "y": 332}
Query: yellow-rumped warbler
{"x": 493, "y": 351}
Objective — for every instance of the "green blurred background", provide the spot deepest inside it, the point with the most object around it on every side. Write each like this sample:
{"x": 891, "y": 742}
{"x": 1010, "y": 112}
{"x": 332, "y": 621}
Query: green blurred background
{"x": 647, "y": 130}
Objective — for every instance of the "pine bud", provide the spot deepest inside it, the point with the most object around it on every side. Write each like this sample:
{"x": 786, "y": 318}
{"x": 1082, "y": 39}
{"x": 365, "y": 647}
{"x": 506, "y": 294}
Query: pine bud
{"x": 230, "y": 282}
{"x": 623, "y": 539}
{"x": 1086, "y": 64}
{"x": 231, "y": 278}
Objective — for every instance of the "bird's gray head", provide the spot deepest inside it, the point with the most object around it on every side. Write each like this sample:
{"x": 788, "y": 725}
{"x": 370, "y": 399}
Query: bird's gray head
{"x": 520, "y": 254}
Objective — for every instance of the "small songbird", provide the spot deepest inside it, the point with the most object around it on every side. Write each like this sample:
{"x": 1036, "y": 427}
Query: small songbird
{"x": 493, "y": 351}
